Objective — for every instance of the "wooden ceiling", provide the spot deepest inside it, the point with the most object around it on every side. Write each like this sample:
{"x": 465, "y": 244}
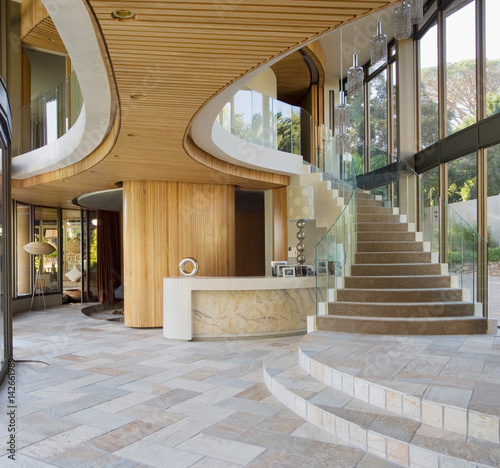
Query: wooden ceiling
{"x": 179, "y": 55}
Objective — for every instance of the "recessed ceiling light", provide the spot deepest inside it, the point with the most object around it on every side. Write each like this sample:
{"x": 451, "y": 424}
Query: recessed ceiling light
{"x": 123, "y": 15}
{"x": 133, "y": 134}
{"x": 51, "y": 39}
{"x": 137, "y": 96}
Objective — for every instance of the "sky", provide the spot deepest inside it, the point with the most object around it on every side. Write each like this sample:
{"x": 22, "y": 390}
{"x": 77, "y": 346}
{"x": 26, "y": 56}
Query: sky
{"x": 461, "y": 36}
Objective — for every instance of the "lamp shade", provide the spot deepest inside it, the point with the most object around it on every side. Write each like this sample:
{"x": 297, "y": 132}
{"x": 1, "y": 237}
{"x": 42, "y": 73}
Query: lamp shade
{"x": 39, "y": 248}
{"x": 300, "y": 203}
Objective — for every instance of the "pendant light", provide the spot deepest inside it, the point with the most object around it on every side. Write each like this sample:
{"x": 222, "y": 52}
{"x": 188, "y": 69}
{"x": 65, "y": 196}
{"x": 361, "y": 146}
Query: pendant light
{"x": 341, "y": 110}
{"x": 378, "y": 48}
{"x": 402, "y": 21}
{"x": 355, "y": 74}
{"x": 417, "y": 11}
{"x": 341, "y": 113}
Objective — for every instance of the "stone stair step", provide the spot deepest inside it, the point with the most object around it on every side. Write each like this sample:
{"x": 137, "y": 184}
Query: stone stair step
{"x": 390, "y": 246}
{"x": 403, "y": 326}
{"x": 405, "y": 269}
{"x": 371, "y": 209}
{"x": 377, "y": 236}
{"x": 400, "y": 295}
{"x": 378, "y": 218}
{"x": 392, "y": 257}
{"x": 365, "y": 196}
{"x": 394, "y": 438}
{"x": 396, "y": 282}
{"x": 379, "y": 226}
{"x": 407, "y": 309}
{"x": 369, "y": 202}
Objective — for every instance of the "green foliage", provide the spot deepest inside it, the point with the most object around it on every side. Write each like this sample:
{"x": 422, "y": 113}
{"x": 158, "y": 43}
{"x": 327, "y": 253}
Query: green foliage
{"x": 494, "y": 254}
{"x": 288, "y": 133}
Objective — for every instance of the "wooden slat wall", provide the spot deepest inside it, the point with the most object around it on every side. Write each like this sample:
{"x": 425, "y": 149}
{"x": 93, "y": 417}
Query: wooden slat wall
{"x": 165, "y": 222}
{"x": 32, "y": 13}
{"x": 280, "y": 217}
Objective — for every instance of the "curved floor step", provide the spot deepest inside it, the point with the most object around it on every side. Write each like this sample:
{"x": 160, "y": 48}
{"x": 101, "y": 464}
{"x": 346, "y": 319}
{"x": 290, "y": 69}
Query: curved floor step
{"x": 408, "y": 309}
{"x": 415, "y": 383}
{"x": 403, "y": 326}
{"x": 397, "y": 439}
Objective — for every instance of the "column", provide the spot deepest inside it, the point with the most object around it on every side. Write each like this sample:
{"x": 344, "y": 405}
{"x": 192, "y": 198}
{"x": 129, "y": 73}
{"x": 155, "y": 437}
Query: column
{"x": 164, "y": 222}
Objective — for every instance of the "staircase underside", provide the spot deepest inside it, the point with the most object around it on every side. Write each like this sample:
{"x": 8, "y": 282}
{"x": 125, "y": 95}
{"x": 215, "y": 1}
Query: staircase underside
{"x": 396, "y": 286}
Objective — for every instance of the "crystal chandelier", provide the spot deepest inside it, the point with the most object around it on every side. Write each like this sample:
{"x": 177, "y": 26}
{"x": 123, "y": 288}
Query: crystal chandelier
{"x": 355, "y": 74}
{"x": 342, "y": 144}
{"x": 402, "y": 21}
{"x": 341, "y": 114}
{"x": 378, "y": 47}
{"x": 417, "y": 11}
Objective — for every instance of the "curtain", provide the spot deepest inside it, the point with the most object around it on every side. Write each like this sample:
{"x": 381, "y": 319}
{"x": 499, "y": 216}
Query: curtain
{"x": 109, "y": 275}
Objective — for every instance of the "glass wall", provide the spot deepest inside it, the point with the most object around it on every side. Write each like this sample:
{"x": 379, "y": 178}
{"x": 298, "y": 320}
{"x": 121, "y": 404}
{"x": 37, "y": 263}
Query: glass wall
{"x": 492, "y": 34}
{"x": 493, "y": 223}
{"x": 461, "y": 95}
{"x": 23, "y": 261}
{"x": 379, "y": 138}
{"x": 72, "y": 258}
{"x": 429, "y": 94}
{"x": 45, "y": 230}
{"x": 3, "y": 337}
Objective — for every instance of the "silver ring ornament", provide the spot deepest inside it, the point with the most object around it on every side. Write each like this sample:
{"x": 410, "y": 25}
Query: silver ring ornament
{"x": 192, "y": 261}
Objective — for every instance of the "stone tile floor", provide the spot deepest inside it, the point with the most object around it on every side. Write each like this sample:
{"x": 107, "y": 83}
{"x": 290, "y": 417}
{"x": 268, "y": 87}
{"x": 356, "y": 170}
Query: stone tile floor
{"x": 111, "y": 396}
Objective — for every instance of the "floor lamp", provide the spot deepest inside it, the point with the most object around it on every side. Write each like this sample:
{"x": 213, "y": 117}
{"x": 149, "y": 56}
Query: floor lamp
{"x": 300, "y": 209}
{"x": 38, "y": 249}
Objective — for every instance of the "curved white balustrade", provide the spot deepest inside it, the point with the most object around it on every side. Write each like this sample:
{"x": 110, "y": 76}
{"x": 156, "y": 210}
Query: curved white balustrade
{"x": 76, "y": 29}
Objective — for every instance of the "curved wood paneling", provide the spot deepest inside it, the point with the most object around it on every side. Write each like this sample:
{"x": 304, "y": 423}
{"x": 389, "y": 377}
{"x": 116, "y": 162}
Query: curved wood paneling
{"x": 164, "y": 222}
{"x": 178, "y": 55}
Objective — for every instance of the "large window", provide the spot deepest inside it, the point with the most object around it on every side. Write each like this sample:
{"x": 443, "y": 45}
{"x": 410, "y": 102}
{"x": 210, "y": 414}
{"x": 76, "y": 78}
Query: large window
{"x": 493, "y": 223}
{"x": 429, "y": 94}
{"x": 461, "y": 95}
{"x": 492, "y": 8}
{"x": 379, "y": 144}
{"x": 46, "y": 231}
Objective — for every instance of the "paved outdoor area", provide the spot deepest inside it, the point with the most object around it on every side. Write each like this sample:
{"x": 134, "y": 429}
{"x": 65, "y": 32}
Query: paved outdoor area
{"x": 112, "y": 396}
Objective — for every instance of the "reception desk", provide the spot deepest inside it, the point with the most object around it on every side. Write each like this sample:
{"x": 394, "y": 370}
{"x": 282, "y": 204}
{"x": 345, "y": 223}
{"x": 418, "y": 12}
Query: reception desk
{"x": 230, "y": 307}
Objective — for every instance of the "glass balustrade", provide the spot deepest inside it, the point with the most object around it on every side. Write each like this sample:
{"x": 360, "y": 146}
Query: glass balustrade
{"x": 335, "y": 252}
{"x": 49, "y": 116}
{"x": 267, "y": 122}
{"x": 452, "y": 239}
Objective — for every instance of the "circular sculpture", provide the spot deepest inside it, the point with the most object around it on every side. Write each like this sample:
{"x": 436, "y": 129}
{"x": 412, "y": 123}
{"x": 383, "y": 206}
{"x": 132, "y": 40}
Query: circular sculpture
{"x": 192, "y": 261}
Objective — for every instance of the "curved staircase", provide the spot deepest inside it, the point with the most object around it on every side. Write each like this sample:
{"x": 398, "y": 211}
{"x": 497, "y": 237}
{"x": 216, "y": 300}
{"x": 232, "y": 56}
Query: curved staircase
{"x": 396, "y": 285}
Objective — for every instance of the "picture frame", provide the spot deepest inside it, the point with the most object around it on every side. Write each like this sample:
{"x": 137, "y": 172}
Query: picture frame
{"x": 321, "y": 267}
{"x": 310, "y": 270}
{"x": 281, "y": 268}
{"x": 298, "y": 270}
{"x": 288, "y": 271}
{"x": 275, "y": 267}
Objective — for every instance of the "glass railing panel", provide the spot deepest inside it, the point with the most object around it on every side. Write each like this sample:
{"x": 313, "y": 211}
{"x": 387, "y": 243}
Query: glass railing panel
{"x": 295, "y": 129}
{"x": 267, "y": 122}
{"x": 257, "y": 118}
{"x": 49, "y": 116}
{"x": 241, "y": 115}
{"x": 455, "y": 242}
{"x": 321, "y": 259}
